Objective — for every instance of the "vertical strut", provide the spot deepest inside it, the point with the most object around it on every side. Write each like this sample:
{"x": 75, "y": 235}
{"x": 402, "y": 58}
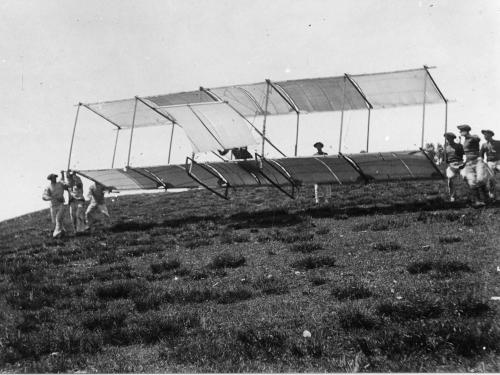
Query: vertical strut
{"x": 131, "y": 133}
{"x": 297, "y": 133}
{"x": 342, "y": 116}
{"x": 368, "y": 131}
{"x": 265, "y": 118}
{"x": 423, "y": 111}
{"x": 73, "y": 135}
{"x": 170, "y": 143}
{"x": 114, "y": 150}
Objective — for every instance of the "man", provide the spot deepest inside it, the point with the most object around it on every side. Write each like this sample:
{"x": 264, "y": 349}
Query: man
{"x": 76, "y": 202}
{"x": 97, "y": 203}
{"x": 454, "y": 159}
{"x": 239, "y": 153}
{"x": 490, "y": 153}
{"x": 54, "y": 193}
{"x": 475, "y": 170}
{"x": 324, "y": 190}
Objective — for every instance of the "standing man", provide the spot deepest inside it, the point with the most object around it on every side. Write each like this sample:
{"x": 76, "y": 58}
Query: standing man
{"x": 454, "y": 159}
{"x": 490, "y": 153}
{"x": 97, "y": 203}
{"x": 54, "y": 193}
{"x": 76, "y": 202}
{"x": 324, "y": 190}
{"x": 475, "y": 171}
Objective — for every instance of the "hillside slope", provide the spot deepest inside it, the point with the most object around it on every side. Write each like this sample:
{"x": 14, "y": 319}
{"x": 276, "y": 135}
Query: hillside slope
{"x": 389, "y": 278}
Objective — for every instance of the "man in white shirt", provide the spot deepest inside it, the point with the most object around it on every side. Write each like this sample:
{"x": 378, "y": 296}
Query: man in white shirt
{"x": 54, "y": 193}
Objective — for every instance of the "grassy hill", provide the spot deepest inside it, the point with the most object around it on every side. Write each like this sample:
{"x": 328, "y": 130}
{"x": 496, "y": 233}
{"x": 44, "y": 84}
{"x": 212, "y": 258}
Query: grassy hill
{"x": 389, "y": 278}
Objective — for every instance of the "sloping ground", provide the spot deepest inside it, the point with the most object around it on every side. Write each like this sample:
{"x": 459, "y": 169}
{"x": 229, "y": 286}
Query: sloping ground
{"x": 391, "y": 278}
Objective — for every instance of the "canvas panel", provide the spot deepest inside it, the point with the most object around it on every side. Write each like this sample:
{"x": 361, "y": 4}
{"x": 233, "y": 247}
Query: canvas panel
{"x": 231, "y": 129}
{"x": 173, "y": 176}
{"x": 120, "y": 179}
{"x": 307, "y": 170}
{"x": 234, "y": 174}
{"x": 121, "y": 112}
{"x": 344, "y": 171}
{"x": 250, "y": 100}
{"x": 265, "y": 172}
{"x": 188, "y": 97}
{"x": 382, "y": 166}
{"x": 419, "y": 164}
{"x": 323, "y": 94}
{"x": 394, "y": 89}
{"x": 199, "y": 136}
{"x": 212, "y": 126}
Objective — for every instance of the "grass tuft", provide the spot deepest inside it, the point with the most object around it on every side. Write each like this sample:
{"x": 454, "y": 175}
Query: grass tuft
{"x": 118, "y": 289}
{"x": 386, "y": 246}
{"x": 305, "y": 247}
{"x": 351, "y": 290}
{"x": 449, "y": 239}
{"x": 410, "y": 310}
{"x": 166, "y": 265}
{"x": 234, "y": 295}
{"x": 227, "y": 260}
{"x": 269, "y": 284}
{"x": 312, "y": 262}
{"x": 354, "y": 316}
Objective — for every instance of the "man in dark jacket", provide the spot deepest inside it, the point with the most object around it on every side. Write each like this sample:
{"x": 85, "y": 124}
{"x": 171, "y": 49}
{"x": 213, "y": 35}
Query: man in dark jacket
{"x": 454, "y": 160}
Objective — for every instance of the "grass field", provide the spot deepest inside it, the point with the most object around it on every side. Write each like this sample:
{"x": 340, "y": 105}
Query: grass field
{"x": 389, "y": 278}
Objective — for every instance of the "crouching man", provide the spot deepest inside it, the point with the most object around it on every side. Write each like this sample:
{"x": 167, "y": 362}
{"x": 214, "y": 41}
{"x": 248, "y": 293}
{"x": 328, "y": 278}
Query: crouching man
{"x": 97, "y": 203}
{"x": 54, "y": 193}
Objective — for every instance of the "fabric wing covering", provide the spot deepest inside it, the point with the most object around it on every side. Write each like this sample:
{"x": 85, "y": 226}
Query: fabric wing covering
{"x": 347, "y": 92}
{"x": 212, "y": 126}
{"x": 351, "y": 169}
{"x": 188, "y": 97}
{"x": 121, "y": 113}
{"x": 250, "y": 100}
{"x": 323, "y": 94}
{"x": 396, "y": 166}
{"x": 121, "y": 179}
{"x": 394, "y": 89}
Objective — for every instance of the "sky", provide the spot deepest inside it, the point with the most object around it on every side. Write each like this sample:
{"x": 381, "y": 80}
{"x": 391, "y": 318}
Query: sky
{"x": 57, "y": 53}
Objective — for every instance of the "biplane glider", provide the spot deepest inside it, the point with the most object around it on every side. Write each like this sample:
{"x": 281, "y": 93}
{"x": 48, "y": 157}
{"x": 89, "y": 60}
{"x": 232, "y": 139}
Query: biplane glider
{"x": 217, "y": 119}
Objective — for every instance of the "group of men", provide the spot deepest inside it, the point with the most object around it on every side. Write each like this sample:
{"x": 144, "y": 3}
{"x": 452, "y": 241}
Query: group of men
{"x": 81, "y": 219}
{"x": 476, "y": 164}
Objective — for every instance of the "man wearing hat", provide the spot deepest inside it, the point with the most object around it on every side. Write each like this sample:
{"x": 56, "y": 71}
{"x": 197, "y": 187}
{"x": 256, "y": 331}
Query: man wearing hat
{"x": 454, "y": 159}
{"x": 54, "y": 193}
{"x": 321, "y": 189}
{"x": 76, "y": 202}
{"x": 490, "y": 152}
{"x": 97, "y": 203}
{"x": 475, "y": 171}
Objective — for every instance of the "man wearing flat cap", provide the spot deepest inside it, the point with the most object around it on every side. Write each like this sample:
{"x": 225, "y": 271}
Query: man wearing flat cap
{"x": 490, "y": 153}
{"x": 475, "y": 171}
{"x": 324, "y": 190}
{"x": 76, "y": 202}
{"x": 54, "y": 193}
{"x": 454, "y": 160}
